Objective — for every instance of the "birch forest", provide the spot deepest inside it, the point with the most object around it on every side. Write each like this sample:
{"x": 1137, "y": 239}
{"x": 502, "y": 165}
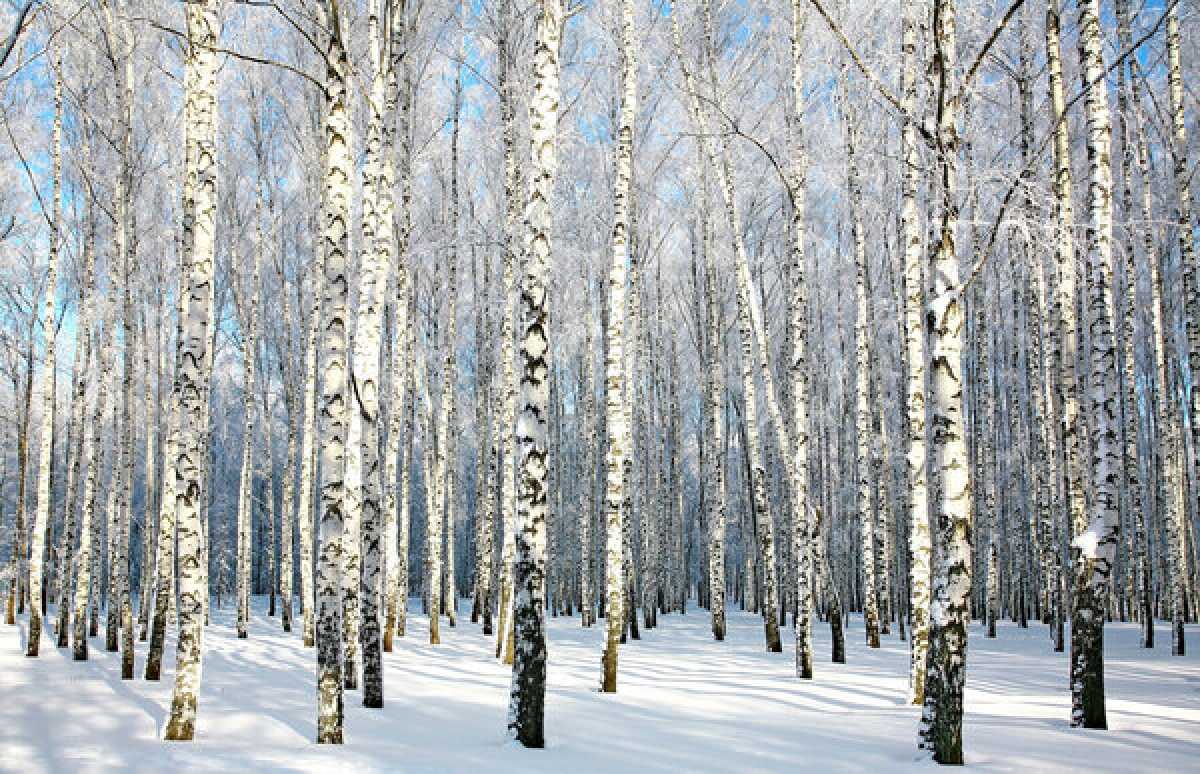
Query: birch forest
{"x": 668, "y": 384}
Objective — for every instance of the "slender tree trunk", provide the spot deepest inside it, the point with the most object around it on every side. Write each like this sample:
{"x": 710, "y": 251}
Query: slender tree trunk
{"x": 1065, "y": 338}
{"x": 287, "y": 505}
{"x": 70, "y": 563}
{"x": 862, "y": 368}
{"x": 1191, "y": 289}
{"x": 335, "y": 408}
{"x": 46, "y": 392}
{"x": 1095, "y": 541}
{"x": 89, "y": 529}
{"x": 715, "y": 394}
{"x": 308, "y": 458}
{"x": 618, "y": 440}
{"x": 403, "y": 399}
{"x": 508, "y": 382}
{"x": 199, "y": 221}
{"x": 246, "y": 488}
{"x": 527, "y": 704}
{"x": 798, "y": 368}
{"x": 19, "y": 585}
{"x": 352, "y": 525}
{"x": 485, "y": 461}
{"x": 941, "y": 722}
{"x": 149, "y": 512}
{"x": 376, "y": 260}
{"x": 920, "y": 545}
{"x": 125, "y": 249}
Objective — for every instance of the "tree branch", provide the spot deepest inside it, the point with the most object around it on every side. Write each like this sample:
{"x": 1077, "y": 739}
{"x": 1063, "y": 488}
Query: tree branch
{"x": 235, "y": 54}
{"x": 866, "y": 71}
{"x": 1037, "y": 154}
{"x": 18, "y": 27}
{"x": 987, "y": 46}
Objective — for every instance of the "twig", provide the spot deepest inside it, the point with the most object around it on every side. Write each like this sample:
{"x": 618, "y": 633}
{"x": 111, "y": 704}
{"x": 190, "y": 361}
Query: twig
{"x": 987, "y": 46}
{"x": 234, "y": 54}
{"x": 1036, "y": 155}
{"x": 18, "y": 27}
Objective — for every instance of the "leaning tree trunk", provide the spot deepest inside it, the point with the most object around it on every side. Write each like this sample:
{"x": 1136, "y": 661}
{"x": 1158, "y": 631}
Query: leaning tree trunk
{"x": 746, "y": 325}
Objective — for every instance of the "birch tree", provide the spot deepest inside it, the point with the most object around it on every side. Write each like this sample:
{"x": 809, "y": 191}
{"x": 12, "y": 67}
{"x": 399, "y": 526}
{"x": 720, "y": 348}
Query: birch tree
{"x": 526, "y": 710}
{"x": 376, "y": 261}
{"x": 941, "y": 721}
{"x": 46, "y": 391}
{"x": 618, "y": 440}
{"x": 199, "y": 226}
{"x": 335, "y": 418}
{"x": 1095, "y": 543}
{"x": 246, "y": 489}
{"x": 914, "y": 342}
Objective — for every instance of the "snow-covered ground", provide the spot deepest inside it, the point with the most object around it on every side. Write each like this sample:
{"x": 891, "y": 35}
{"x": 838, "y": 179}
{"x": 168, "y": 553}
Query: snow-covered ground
{"x": 685, "y": 703}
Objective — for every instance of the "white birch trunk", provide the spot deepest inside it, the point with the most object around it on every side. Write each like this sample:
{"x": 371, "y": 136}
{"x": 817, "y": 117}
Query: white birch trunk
{"x": 862, "y": 381}
{"x": 287, "y": 504}
{"x": 308, "y": 459}
{"x": 146, "y": 594}
{"x": 69, "y": 565}
{"x": 246, "y": 485}
{"x": 335, "y": 403}
{"x": 618, "y": 441}
{"x": 400, "y": 445}
{"x": 798, "y": 367}
{"x": 920, "y": 545}
{"x": 46, "y": 391}
{"x": 941, "y": 722}
{"x": 526, "y": 709}
{"x": 352, "y": 528}
{"x": 1094, "y": 546}
{"x": 1184, "y": 230}
{"x": 199, "y": 221}
{"x": 86, "y": 578}
{"x": 377, "y": 240}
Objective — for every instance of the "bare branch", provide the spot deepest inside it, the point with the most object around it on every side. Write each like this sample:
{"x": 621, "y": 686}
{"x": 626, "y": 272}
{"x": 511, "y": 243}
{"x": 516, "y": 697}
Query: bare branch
{"x": 987, "y": 46}
{"x": 236, "y": 54}
{"x": 18, "y": 27}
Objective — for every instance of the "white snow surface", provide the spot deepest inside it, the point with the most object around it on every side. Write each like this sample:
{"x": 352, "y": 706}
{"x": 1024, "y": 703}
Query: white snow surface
{"x": 684, "y": 703}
